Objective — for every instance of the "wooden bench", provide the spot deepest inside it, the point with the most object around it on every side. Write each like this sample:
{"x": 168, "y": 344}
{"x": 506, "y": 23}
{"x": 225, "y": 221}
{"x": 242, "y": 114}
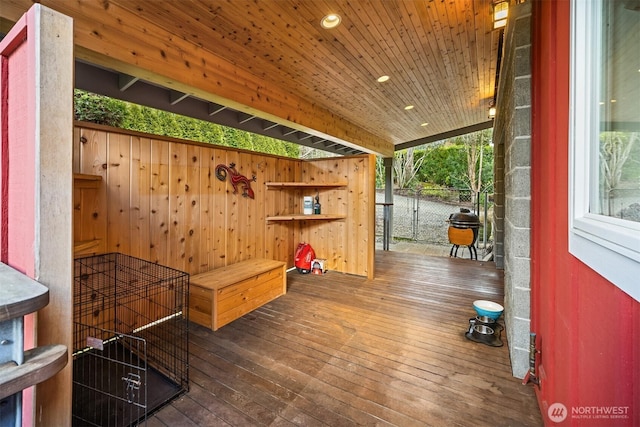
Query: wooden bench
{"x": 220, "y": 296}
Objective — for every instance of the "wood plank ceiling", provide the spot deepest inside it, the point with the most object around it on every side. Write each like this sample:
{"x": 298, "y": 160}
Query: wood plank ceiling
{"x": 272, "y": 59}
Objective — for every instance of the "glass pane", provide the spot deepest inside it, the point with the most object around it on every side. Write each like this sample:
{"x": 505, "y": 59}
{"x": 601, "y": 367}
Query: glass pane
{"x": 618, "y": 152}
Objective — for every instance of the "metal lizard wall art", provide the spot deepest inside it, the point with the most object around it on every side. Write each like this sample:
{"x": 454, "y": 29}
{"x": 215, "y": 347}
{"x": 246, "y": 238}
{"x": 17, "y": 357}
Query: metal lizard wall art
{"x": 222, "y": 171}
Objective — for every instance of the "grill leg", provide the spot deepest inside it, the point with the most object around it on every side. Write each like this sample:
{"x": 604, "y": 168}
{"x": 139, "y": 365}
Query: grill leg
{"x": 473, "y": 252}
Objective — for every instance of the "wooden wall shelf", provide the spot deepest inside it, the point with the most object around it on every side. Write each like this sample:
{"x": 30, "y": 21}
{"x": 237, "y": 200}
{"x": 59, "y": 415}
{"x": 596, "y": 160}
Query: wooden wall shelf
{"x": 82, "y": 180}
{"x": 301, "y": 217}
{"x": 305, "y": 184}
{"x": 302, "y": 185}
{"x": 87, "y": 177}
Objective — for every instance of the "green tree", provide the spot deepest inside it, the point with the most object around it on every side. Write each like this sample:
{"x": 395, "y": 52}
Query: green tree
{"x": 444, "y": 165}
{"x": 406, "y": 165}
{"x": 380, "y": 181}
{"x": 474, "y": 146}
{"x": 453, "y": 163}
{"x": 615, "y": 152}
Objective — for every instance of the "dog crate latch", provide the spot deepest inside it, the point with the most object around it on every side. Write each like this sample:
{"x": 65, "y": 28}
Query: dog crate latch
{"x": 132, "y": 384}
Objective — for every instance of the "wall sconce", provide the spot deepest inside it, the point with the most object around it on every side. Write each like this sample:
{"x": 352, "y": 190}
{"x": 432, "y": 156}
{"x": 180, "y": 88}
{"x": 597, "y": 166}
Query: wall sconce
{"x": 500, "y": 12}
{"x": 492, "y": 112}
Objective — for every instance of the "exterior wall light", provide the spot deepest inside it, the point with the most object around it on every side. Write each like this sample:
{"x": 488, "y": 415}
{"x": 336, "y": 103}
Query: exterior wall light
{"x": 500, "y": 13}
{"x": 492, "y": 112}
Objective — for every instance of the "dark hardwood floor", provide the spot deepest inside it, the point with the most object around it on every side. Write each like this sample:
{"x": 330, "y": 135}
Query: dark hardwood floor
{"x": 340, "y": 350}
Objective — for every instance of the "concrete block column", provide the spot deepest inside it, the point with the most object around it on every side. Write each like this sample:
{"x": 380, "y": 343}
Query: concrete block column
{"x": 512, "y": 139}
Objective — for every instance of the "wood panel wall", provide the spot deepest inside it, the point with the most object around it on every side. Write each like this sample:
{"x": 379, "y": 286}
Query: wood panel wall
{"x": 160, "y": 200}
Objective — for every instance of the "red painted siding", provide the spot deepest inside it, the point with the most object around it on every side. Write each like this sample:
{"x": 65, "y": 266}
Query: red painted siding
{"x": 18, "y": 165}
{"x": 17, "y": 124}
{"x": 588, "y": 330}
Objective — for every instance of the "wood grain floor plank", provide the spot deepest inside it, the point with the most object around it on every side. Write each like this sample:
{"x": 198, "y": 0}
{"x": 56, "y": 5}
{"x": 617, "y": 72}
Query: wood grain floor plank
{"x": 154, "y": 422}
{"x": 375, "y": 374}
{"x": 196, "y": 412}
{"x": 171, "y": 416}
{"x": 341, "y": 350}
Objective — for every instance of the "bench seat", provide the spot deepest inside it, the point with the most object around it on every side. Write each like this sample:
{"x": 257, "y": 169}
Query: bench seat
{"x": 222, "y": 295}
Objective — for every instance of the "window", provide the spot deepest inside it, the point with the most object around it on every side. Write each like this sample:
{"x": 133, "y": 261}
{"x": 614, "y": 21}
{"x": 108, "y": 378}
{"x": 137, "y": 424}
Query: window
{"x": 605, "y": 140}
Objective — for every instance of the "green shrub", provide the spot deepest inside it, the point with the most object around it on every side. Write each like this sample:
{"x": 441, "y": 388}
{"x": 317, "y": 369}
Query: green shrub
{"x": 98, "y": 109}
{"x": 102, "y": 110}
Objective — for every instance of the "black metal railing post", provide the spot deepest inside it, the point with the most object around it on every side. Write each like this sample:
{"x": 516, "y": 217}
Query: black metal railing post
{"x": 386, "y": 224}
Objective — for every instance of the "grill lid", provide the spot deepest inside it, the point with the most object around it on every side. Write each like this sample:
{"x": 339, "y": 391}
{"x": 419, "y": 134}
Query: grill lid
{"x": 464, "y": 219}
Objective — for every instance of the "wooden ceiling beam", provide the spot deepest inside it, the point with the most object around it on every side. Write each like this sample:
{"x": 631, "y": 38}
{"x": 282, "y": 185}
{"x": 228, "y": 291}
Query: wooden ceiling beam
{"x": 446, "y": 135}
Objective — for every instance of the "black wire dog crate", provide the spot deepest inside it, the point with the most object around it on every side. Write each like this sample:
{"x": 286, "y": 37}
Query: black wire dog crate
{"x": 131, "y": 339}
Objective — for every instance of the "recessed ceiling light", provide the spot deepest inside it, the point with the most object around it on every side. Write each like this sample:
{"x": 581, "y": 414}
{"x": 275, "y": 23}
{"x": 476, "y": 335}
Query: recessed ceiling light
{"x": 408, "y": 107}
{"x": 424, "y": 124}
{"x": 613, "y": 101}
{"x": 383, "y": 79}
{"x": 332, "y": 20}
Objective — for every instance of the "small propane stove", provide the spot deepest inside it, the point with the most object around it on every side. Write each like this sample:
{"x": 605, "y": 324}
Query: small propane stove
{"x": 485, "y": 330}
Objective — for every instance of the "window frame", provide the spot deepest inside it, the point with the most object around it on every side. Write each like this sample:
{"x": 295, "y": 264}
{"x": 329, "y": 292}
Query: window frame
{"x": 608, "y": 245}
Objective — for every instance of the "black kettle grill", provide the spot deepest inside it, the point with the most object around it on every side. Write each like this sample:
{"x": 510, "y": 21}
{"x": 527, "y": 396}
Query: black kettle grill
{"x": 463, "y": 231}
